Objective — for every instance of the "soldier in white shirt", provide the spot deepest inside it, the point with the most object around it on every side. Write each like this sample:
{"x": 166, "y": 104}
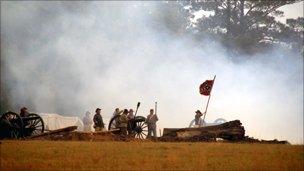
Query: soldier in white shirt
{"x": 151, "y": 121}
{"x": 131, "y": 114}
{"x": 87, "y": 122}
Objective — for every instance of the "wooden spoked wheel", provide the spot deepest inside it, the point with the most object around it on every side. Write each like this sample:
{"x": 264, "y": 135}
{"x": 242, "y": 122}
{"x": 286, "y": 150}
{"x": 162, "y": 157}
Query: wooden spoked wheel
{"x": 33, "y": 125}
{"x": 11, "y": 125}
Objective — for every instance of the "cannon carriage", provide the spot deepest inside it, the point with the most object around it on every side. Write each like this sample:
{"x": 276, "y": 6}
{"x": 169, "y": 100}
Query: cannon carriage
{"x": 137, "y": 126}
{"x": 12, "y": 125}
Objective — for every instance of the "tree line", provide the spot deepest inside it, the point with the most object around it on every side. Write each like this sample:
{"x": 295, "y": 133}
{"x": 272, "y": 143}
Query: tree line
{"x": 242, "y": 26}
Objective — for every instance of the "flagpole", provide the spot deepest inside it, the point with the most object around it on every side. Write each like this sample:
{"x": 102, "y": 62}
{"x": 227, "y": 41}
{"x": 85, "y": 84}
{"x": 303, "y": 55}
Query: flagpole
{"x": 208, "y": 100}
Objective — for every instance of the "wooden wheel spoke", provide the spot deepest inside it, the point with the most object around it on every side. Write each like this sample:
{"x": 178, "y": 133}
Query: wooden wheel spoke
{"x": 35, "y": 122}
{"x": 40, "y": 126}
{"x": 39, "y": 130}
{"x": 37, "y": 125}
{"x": 38, "y": 121}
{"x": 144, "y": 133}
{"x": 140, "y": 136}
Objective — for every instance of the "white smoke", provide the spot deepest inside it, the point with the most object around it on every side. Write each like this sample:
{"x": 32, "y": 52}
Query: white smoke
{"x": 66, "y": 57}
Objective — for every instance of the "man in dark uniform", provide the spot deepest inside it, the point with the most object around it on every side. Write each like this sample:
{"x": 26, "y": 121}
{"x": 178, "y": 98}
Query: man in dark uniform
{"x": 24, "y": 112}
{"x": 98, "y": 121}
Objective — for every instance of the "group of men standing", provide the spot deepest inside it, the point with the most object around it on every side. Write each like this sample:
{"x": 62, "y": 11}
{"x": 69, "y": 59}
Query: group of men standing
{"x": 122, "y": 118}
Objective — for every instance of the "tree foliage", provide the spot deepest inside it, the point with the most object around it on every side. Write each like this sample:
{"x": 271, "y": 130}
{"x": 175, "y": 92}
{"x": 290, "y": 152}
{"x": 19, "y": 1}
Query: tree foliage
{"x": 243, "y": 26}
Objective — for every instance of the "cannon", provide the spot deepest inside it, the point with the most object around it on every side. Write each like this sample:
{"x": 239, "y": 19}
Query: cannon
{"x": 137, "y": 126}
{"x": 12, "y": 125}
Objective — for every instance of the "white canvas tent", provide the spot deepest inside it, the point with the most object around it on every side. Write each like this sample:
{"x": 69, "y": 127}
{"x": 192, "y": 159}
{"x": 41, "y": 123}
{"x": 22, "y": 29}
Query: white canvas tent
{"x": 53, "y": 121}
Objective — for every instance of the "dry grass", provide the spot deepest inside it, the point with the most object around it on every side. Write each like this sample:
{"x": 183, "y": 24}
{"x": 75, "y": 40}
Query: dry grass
{"x": 76, "y": 155}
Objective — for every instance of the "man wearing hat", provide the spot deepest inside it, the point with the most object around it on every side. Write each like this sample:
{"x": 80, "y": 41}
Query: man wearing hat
{"x": 98, "y": 122}
{"x": 131, "y": 114}
{"x": 151, "y": 122}
{"x": 24, "y": 112}
{"x": 197, "y": 119}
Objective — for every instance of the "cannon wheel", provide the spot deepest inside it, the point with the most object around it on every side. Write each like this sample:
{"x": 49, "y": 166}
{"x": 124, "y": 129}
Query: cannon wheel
{"x": 34, "y": 126}
{"x": 112, "y": 124}
{"x": 136, "y": 127}
{"x": 11, "y": 125}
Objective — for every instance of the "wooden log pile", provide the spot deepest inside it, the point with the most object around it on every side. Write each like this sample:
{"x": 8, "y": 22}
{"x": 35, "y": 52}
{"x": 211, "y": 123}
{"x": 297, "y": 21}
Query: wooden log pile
{"x": 231, "y": 131}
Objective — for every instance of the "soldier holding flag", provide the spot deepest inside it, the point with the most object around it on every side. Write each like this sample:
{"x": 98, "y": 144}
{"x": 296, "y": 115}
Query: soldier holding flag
{"x": 205, "y": 89}
{"x": 197, "y": 119}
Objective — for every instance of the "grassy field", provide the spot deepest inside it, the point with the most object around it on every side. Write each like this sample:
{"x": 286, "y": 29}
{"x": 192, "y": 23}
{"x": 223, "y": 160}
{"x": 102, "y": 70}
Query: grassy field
{"x": 75, "y": 155}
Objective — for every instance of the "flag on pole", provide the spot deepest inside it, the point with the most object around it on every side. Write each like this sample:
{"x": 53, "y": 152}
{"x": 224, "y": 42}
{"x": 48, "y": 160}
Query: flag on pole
{"x": 206, "y": 87}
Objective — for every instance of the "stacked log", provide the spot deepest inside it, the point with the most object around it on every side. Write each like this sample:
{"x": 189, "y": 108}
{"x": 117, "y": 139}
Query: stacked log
{"x": 231, "y": 131}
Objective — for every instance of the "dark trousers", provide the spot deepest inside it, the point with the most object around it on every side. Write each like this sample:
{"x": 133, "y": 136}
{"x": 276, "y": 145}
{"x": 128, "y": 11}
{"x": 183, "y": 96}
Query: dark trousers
{"x": 151, "y": 130}
{"x": 123, "y": 131}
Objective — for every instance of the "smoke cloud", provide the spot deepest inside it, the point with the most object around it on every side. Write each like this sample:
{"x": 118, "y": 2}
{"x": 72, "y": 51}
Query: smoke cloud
{"x": 67, "y": 58}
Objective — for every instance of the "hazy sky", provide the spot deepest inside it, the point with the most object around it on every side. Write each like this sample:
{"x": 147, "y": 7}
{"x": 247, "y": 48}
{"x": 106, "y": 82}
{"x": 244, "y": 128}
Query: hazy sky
{"x": 294, "y": 10}
{"x": 73, "y": 57}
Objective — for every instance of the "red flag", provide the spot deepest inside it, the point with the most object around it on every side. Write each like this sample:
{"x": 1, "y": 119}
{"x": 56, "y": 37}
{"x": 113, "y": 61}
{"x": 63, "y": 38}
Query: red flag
{"x": 206, "y": 87}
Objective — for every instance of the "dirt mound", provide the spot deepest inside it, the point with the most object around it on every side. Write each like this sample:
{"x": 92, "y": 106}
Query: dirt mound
{"x": 248, "y": 139}
{"x": 232, "y": 131}
{"x": 69, "y": 133}
{"x": 81, "y": 136}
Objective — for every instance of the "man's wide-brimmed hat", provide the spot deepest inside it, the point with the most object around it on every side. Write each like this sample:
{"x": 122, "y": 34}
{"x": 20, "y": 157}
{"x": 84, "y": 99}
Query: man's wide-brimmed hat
{"x": 97, "y": 109}
{"x": 198, "y": 111}
{"x": 23, "y": 109}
